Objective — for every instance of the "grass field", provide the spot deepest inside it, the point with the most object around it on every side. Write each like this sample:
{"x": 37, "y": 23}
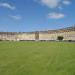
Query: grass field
{"x": 37, "y": 58}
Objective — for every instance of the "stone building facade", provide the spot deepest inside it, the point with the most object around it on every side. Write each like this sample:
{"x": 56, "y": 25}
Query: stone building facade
{"x": 67, "y": 33}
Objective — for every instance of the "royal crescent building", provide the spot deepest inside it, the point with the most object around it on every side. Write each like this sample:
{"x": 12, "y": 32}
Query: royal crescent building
{"x": 50, "y": 35}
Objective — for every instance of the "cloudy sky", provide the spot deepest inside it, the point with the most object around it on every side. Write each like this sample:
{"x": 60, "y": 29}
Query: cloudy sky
{"x": 35, "y": 15}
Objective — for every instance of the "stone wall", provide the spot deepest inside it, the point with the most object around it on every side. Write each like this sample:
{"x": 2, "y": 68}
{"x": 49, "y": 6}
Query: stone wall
{"x": 26, "y": 36}
{"x": 17, "y": 36}
{"x": 53, "y": 36}
{"x": 34, "y": 36}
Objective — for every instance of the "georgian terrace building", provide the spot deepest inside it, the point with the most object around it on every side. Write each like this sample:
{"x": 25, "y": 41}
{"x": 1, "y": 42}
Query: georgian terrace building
{"x": 67, "y": 33}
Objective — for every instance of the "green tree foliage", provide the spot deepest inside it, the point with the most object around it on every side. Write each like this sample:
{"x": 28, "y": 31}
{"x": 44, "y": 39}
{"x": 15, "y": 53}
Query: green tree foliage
{"x": 60, "y": 38}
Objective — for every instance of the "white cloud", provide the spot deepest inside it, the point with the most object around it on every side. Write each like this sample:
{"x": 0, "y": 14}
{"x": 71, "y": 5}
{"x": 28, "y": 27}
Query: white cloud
{"x": 50, "y": 3}
{"x": 66, "y": 2}
{"x": 7, "y": 5}
{"x": 56, "y": 15}
{"x": 53, "y": 3}
{"x": 16, "y": 17}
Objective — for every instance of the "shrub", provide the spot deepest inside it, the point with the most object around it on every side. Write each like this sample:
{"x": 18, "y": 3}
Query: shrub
{"x": 60, "y": 38}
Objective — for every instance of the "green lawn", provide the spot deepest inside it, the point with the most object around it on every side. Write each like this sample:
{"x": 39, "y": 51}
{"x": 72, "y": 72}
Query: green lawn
{"x": 37, "y": 58}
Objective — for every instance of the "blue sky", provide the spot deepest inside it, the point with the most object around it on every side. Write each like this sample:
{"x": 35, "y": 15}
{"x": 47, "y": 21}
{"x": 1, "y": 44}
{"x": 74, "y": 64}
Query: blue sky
{"x": 36, "y": 15}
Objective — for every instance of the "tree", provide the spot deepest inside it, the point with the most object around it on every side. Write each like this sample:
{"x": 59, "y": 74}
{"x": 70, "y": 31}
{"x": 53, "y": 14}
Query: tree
{"x": 60, "y": 38}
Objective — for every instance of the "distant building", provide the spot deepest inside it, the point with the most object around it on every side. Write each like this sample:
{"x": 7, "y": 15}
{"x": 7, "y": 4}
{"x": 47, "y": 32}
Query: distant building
{"x": 67, "y": 33}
